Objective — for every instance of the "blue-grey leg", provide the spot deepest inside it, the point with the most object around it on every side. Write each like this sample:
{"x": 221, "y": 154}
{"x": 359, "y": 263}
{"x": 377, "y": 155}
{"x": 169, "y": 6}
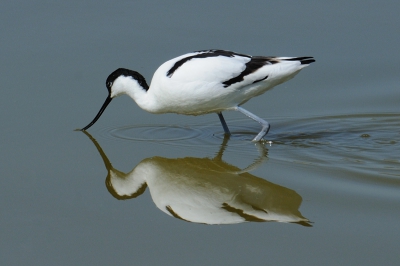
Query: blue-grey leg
{"x": 224, "y": 125}
{"x": 265, "y": 125}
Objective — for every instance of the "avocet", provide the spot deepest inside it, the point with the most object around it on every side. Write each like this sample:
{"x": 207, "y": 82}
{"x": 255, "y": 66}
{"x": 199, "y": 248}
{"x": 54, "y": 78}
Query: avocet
{"x": 202, "y": 82}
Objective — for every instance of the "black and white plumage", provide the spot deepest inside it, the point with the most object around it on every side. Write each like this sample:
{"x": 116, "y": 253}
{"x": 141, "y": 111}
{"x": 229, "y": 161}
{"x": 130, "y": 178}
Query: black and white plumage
{"x": 202, "y": 82}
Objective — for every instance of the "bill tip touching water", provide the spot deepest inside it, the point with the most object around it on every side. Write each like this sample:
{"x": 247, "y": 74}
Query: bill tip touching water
{"x": 202, "y": 82}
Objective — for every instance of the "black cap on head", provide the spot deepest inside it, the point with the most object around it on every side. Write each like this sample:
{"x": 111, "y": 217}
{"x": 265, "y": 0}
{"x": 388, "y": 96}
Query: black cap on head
{"x": 127, "y": 73}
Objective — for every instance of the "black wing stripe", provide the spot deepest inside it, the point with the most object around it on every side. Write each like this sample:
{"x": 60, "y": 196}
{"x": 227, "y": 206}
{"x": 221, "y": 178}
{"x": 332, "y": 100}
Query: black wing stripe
{"x": 253, "y": 65}
{"x": 307, "y": 61}
{"x": 174, "y": 214}
{"x": 258, "y": 80}
{"x": 203, "y": 54}
{"x": 241, "y": 213}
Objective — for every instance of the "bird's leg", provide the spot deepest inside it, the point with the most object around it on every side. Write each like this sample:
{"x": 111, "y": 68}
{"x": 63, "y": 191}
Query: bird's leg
{"x": 224, "y": 125}
{"x": 265, "y": 125}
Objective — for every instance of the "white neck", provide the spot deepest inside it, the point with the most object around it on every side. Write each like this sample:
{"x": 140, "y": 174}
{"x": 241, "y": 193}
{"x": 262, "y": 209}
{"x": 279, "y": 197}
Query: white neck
{"x": 131, "y": 87}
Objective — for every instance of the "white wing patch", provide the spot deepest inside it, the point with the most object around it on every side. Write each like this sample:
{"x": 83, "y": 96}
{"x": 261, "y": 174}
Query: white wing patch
{"x": 211, "y": 69}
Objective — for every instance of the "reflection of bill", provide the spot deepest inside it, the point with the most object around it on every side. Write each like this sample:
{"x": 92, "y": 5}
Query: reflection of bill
{"x": 204, "y": 190}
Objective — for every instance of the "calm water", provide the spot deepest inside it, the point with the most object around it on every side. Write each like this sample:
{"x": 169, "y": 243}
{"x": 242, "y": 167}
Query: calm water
{"x": 322, "y": 189}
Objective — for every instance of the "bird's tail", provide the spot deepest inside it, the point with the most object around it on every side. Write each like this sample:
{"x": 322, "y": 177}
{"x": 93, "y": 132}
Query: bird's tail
{"x": 305, "y": 60}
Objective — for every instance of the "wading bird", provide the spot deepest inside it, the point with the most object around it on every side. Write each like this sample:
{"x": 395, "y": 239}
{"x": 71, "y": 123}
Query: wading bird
{"x": 202, "y": 82}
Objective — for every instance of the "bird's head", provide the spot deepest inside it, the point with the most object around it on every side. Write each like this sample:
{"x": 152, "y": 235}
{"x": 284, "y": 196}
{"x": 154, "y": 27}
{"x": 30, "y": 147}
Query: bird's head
{"x": 119, "y": 82}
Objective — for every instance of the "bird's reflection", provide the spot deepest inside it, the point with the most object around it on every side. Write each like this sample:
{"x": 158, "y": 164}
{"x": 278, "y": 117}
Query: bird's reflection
{"x": 204, "y": 190}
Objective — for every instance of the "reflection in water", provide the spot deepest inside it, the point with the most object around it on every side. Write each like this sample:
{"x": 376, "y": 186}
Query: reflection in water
{"x": 204, "y": 190}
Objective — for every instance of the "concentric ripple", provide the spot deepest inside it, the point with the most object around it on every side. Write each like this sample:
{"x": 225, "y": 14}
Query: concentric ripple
{"x": 184, "y": 135}
{"x": 356, "y": 142}
{"x": 156, "y": 133}
{"x": 367, "y": 144}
